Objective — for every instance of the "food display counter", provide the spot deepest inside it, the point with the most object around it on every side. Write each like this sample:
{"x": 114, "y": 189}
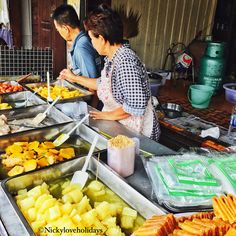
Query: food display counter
{"x": 139, "y": 180}
{"x": 136, "y": 191}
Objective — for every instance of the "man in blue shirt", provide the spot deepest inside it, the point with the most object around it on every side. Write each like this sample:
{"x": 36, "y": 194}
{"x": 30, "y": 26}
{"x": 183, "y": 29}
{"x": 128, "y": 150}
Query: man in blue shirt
{"x": 85, "y": 59}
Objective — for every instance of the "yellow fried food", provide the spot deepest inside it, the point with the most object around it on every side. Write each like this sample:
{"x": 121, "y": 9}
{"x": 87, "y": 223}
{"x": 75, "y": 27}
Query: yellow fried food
{"x": 4, "y": 106}
{"x": 15, "y": 148}
{"x": 33, "y": 145}
{"x": 42, "y": 162}
{"x": 11, "y": 161}
{"x": 16, "y": 170}
{"x": 56, "y": 91}
{"x": 47, "y": 145}
{"x": 67, "y": 153}
{"x": 24, "y": 156}
{"x": 30, "y": 165}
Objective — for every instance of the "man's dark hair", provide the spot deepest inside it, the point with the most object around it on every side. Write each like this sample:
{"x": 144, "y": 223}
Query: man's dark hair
{"x": 105, "y": 22}
{"x": 66, "y": 15}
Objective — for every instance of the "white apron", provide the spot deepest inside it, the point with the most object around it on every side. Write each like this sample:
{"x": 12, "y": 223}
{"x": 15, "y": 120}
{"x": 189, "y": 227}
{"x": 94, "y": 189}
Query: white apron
{"x": 141, "y": 124}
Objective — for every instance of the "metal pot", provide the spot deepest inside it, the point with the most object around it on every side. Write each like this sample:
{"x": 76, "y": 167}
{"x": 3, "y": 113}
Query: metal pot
{"x": 172, "y": 110}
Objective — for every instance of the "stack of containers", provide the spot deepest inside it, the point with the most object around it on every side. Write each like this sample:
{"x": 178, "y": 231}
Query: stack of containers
{"x": 188, "y": 182}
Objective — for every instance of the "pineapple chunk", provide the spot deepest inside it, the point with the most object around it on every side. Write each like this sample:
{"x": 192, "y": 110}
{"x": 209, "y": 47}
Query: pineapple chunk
{"x": 67, "y": 198}
{"x": 99, "y": 193}
{"x": 66, "y": 208}
{"x": 21, "y": 197}
{"x": 40, "y": 200}
{"x": 127, "y": 211}
{"x": 98, "y": 225}
{"x": 27, "y": 203}
{"x": 47, "y": 204}
{"x": 96, "y": 186}
{"x": 32, "y": 213}
{"x": 103, "y": 210}
{"x": 70, "y": 188}
{"x": 109, "y": 222}
{"x": 73, "y": 212}
{"x": 76, "y": 219}
{"x": 36, "y": 225}
{"x": 114, "y": 231}
{"x": 89, "y": 217}
{"x": 54, "y": 212}
{"x": 127, "y": 222}
{"x": 76, "y": 195}
{"x": 44, "y": 187}
{"x": 67, "y": 222}
{"x": 35, "y": 192}
{"x": 83, "y": 205}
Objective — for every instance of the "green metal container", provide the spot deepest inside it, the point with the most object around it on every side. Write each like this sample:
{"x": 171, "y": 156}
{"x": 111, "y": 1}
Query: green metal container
{"x": 212, "y": 65}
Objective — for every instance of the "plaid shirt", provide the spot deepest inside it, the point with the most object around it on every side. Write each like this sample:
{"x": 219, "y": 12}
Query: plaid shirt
{"x": 130, "y": 84}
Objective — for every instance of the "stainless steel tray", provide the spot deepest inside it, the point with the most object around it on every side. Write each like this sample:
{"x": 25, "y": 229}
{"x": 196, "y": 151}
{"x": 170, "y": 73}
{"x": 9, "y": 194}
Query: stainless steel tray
{"x": 105, "y": 174}
{"x": 64, "y": 83}
{"x": 18, "y": 100}
{"x": 19, "y": 119}
{"x": 80, "y": 140}
{"x": 32, "y": 78}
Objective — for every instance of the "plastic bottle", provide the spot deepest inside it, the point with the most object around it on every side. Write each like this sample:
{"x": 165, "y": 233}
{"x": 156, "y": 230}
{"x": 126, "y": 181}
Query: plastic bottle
{"x": 232, "y": 125}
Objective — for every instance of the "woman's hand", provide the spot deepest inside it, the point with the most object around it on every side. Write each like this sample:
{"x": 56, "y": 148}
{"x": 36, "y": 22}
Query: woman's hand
{"x": 90, "y": 83}
{"x": 117, "y": 114}
{"x": 68, "y": 75}
{"x": 101, "y": 115}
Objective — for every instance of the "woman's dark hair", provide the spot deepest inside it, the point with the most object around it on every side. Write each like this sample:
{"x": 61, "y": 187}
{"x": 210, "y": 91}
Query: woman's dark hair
{"x": 105, "y": 22}
{"x": 66, "y": 15}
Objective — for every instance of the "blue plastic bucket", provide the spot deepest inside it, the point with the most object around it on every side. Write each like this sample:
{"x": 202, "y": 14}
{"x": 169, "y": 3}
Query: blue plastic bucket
{"x": 200, "y": 95}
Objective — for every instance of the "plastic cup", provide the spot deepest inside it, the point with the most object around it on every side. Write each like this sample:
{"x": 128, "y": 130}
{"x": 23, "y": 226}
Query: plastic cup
{"x": 122, "y": 160}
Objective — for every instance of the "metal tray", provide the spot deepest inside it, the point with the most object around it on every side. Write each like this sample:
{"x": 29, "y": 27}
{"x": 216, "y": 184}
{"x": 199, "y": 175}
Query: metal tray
{"x": 63, "y": 83}
{"x": 80, "y": 140}
{"x": 31, "y": 78}
{"x": 19, "y": 119}
{"x": 18, "y": 99}
{"x": 105, "y": 174}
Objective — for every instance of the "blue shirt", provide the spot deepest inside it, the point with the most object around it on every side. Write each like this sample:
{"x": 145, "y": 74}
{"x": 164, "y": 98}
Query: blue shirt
{"x": 85, "y": 59}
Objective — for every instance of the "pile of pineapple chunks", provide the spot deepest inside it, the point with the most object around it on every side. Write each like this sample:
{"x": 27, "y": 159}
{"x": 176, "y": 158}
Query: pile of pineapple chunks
{"x": 96, "y": 206}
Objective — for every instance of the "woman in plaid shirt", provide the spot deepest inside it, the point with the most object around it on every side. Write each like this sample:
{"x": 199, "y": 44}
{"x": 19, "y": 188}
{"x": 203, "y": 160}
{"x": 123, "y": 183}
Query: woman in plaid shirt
{"x": 123, "y": 86}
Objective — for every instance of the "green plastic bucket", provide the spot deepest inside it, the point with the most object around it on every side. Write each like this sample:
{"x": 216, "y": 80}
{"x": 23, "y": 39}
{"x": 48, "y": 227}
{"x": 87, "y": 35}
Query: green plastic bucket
{"x": 200, "y": 95}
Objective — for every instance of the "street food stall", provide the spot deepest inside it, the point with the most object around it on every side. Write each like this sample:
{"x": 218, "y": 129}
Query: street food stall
{"x": 35, "y": 190}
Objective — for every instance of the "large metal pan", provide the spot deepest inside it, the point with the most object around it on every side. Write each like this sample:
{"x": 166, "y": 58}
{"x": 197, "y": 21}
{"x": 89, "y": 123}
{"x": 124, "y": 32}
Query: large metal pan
{"x": 64, "y": 83}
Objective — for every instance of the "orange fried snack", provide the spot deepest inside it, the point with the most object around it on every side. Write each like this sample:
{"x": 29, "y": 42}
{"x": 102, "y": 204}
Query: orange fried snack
{"x": 157, "y": 226}
{"x": 231, "y": 232}
{"x": 199, "y": 215}
{"x": 225, "y": 207}
{"x": 202, "y": 227}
